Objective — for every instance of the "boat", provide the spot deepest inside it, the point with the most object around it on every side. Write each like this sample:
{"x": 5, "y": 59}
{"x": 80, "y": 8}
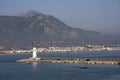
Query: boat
{"x": 83, "y": 67}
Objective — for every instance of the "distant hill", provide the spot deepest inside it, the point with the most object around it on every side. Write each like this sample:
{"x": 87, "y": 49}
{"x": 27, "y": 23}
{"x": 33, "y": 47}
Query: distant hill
{"x": 46, "y": 30}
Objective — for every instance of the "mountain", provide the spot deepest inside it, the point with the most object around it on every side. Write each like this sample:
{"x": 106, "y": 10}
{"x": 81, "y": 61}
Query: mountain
{"x": 46, "y": 30}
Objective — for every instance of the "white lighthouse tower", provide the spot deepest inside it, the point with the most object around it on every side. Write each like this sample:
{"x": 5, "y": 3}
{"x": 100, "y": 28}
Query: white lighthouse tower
{"x": 34, "y": 55}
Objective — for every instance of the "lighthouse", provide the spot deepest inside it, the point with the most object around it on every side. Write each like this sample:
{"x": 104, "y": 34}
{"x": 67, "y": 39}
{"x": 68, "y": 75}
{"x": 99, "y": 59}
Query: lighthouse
{"x": 34, "y": 55}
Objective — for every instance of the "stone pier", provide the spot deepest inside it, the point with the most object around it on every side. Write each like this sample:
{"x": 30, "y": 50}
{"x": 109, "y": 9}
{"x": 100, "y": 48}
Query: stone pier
{"x": 111, "y": 61}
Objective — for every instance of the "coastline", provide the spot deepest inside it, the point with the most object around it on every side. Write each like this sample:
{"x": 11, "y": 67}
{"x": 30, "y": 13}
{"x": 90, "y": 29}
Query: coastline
{"x": 52, "y": 52}
{"x": 61, "y": 50}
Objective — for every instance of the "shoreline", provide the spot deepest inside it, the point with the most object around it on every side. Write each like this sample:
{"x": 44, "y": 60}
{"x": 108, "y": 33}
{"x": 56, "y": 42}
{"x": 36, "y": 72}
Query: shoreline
{"x": 87, "y": 48}
{"x": 53, "y": 52}
{"x": 15, "y": 53}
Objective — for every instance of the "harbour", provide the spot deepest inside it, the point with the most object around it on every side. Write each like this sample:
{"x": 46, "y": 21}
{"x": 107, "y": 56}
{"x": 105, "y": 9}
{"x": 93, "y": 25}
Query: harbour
{"x": 34, "y": 58}
{"x": 58, "y": 70}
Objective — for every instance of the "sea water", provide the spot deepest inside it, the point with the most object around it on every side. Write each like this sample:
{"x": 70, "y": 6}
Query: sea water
{"x": 10, "y": 70}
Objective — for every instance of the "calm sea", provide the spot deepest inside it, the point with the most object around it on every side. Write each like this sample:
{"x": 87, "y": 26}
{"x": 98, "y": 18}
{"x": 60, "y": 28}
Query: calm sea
{"x": 10, "y": 70}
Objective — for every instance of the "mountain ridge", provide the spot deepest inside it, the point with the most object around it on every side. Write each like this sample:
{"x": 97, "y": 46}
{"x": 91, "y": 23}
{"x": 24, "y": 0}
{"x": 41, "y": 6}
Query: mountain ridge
{"x": 46, "y": 30}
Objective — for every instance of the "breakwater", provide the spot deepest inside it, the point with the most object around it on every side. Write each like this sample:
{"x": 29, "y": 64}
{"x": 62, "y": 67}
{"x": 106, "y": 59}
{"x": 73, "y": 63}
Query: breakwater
{"x": 112, "y": 61}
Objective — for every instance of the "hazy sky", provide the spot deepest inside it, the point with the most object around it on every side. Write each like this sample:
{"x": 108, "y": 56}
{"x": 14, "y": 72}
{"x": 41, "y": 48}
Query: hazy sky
{"x": 98, "y": 15}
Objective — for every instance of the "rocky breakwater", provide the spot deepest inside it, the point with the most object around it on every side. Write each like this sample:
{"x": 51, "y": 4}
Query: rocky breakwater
{"x": 112, "y": 61}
